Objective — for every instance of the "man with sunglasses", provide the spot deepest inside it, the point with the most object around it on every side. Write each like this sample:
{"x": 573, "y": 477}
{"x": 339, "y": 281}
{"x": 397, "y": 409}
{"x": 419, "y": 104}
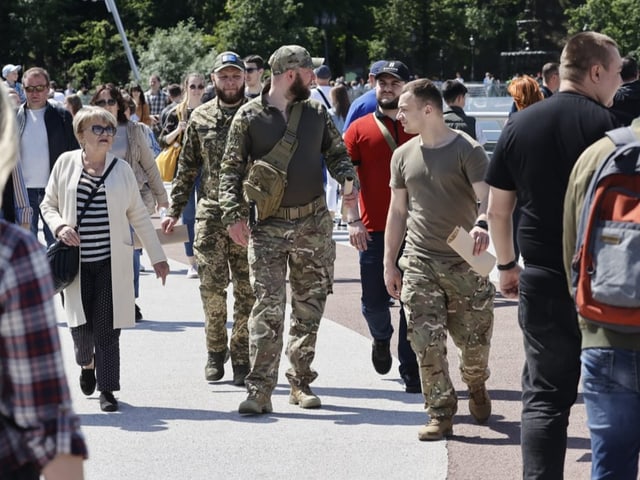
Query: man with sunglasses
{"x": 46, "y": 131}
{"x": 254, "y": 68}
{"x": 217, "y": 256}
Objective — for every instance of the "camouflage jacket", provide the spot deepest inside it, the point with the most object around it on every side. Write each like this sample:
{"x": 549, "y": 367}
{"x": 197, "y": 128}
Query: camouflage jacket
{"x": 255, "y": 130}
{"x": 202, "y": 149}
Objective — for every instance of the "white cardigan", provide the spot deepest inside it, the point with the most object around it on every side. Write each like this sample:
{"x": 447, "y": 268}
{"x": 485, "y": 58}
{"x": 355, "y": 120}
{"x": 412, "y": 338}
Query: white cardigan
{"x": 125, "y": 207}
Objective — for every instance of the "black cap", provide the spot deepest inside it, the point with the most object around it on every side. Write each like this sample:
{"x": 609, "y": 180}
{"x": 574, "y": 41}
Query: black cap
{"x": 396, "y": 69}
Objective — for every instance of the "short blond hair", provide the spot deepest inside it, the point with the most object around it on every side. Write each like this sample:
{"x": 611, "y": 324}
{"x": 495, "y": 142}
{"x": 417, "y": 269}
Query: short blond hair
{"x": 582, "y": 51}
{"x": 88, "y": 113}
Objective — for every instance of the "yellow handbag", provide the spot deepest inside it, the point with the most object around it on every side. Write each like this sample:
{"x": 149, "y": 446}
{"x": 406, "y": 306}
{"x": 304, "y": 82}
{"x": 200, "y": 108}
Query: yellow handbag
{"x": 167, "y": 161}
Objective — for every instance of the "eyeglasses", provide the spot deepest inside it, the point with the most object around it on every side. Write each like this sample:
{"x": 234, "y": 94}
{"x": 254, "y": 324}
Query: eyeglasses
{"x": 111, "y": 102}
{"x": 36, "y": 88}
{"x": 199, "y": 87}
{"x": 100, "y": 130}
{"x": 251, "y": 69}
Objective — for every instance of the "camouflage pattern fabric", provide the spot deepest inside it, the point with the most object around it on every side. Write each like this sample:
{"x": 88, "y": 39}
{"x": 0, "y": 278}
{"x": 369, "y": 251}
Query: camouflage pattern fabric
{"x": 217, "y": 256}
{"x": 237, "y": 154}
{"x": 306, "y": 246}
{"x": 440, "y": 295}
{"x": 202, "y": 151}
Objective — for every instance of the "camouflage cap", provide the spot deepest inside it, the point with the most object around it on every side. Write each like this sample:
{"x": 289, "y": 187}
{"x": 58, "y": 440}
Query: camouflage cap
{"x": 228, "y": 59}
{"x": 290, "y": 57}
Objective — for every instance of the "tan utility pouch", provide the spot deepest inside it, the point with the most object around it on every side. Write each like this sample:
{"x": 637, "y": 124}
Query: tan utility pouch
{"x": 267, "y": 178}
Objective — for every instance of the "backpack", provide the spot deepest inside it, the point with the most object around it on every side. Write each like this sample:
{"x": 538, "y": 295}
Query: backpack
{"x": 606, "y": 264}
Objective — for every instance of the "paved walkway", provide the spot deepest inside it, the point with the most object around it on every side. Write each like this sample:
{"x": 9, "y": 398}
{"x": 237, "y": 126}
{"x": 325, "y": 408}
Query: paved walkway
{"x": 174, "y": 425}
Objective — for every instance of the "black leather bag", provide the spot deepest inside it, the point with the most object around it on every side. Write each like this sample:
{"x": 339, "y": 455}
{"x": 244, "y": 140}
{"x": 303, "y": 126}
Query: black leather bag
{"x": 64, "y": 261}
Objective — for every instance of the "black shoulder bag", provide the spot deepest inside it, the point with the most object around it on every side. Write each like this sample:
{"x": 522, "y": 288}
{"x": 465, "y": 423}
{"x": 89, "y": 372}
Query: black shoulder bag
{"x": 64, "y": 259}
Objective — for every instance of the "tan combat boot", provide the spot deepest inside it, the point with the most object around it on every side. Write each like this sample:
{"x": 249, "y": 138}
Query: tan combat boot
{"x": 304, "y": 397}
{"x": 256, "y": 404}
{"x": 436, "y": 429}
{"x": 479, "y": 403}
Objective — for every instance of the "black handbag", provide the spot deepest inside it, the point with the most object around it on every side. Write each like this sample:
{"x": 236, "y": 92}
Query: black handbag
{"x": 64, "y": 259}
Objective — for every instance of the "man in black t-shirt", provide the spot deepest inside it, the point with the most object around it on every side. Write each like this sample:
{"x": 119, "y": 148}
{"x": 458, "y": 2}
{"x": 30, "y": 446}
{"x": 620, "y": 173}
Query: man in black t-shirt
{"x": 532, "y": 162}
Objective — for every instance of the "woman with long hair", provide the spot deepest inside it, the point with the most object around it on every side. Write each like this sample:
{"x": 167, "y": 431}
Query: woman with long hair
{"x": 132, "y": 144}
{"x": 142, "y": 113}
{"x": 172, "y": 130}
{"x": 338, "y": 112}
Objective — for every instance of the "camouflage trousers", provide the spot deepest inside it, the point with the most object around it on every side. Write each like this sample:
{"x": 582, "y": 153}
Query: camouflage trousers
{"x": 306, "y": 247}
{"x": 441, "y": 295}
{"x": 218, "y": 259}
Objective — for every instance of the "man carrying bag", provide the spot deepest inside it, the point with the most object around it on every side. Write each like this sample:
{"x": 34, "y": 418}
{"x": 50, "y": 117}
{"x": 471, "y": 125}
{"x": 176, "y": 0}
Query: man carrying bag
{"x": 294, "y": 232}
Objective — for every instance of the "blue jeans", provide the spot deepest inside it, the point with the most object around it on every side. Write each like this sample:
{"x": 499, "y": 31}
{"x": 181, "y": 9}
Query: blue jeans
{"x": 375, "y": 304}
{"x": 189, "y": 218}
{"x": 611, "y": 383}
{"x": 36, "y": 195}
{"x": 549, "y": 381}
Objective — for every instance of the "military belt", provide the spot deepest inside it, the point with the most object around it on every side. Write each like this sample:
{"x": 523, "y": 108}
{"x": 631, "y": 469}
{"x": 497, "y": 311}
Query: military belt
{"x": 293, "y": 213}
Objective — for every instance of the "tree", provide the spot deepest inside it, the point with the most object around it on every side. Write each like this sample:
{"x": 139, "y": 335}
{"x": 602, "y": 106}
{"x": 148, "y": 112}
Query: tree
{"x": 174, "y": 52}
{"x": 261, "y": 26}
{"x": 617, "y": 18}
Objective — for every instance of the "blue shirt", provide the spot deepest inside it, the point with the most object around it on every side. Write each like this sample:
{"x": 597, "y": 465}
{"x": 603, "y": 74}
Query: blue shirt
{"x": 364, "y": 104}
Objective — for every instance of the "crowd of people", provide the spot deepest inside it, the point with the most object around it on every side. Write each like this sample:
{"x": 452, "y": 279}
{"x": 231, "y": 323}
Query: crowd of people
{"x": 398, "y": 162}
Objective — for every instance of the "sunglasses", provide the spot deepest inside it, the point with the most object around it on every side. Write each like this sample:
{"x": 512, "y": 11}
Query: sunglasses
{"x": 199, "y": 87}
{"x": 111, "y": 102}
{"x": 100, "y": 130}
{"x": 36, "y": 88}
{"x": 250, "y": 69}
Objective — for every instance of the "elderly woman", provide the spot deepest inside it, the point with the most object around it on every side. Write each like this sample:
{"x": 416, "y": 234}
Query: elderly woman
{"x": 131, "y": 143}
{"x": 100, "y": 301}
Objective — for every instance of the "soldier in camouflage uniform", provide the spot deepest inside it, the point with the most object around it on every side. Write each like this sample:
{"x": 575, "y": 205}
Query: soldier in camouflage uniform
{"x": 216, "y": 254}
{"x": 437, "y": 179}
{"x": 297, "y": 236}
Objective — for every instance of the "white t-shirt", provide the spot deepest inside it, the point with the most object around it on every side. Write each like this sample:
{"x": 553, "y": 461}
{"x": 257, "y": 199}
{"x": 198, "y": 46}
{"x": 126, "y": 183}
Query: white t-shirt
{"x": 326, "y": 89}
{"x": 34, "y": 149}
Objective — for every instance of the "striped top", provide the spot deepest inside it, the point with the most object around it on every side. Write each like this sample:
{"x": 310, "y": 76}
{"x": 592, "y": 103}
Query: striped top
{"x": 94, "y": 228}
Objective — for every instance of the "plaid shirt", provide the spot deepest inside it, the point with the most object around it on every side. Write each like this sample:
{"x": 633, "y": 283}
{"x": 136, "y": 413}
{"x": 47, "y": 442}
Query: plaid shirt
{"x": 156, "y": 102}
{"x": 36, "y": 418}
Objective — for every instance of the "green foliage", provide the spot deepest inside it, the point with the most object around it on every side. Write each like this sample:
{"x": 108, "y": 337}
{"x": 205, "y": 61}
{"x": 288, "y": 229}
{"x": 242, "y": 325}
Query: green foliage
{"x": 174, "y": 52}
{"x": 260, "y": 26}
{"x": 617, "y": 18}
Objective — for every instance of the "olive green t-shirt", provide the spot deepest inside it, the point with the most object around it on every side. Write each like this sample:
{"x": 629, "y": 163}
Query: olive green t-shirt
{"x": 439, "y": 190}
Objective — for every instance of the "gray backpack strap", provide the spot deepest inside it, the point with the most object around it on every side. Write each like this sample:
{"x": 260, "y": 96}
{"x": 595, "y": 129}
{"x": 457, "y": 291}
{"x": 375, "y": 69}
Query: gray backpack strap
{"x": 622, "y": 136}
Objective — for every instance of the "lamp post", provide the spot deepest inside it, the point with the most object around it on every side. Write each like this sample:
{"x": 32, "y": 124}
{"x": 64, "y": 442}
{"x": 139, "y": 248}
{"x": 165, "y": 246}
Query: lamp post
{"x": 441, "y": 55}
{"x": 472, "y": 43}
{"x": 325, "y": 20}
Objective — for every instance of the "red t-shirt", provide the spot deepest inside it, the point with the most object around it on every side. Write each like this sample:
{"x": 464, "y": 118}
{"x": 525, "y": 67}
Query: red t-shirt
{"x": 371, "y": 153}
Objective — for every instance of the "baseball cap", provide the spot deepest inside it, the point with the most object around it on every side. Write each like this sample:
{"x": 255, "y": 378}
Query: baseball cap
{"x": 290, "y": 57}
{"x": 396, "y": 69}
{"x": 376, "y": 66}
{"x": 323, "y": 72}
{"x": 10, "y": 67}
{"x": 228, "y": 59}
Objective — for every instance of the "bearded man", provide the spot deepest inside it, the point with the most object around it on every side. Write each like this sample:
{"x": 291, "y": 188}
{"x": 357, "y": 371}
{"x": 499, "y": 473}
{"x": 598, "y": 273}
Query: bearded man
{"x": 297, "y": 235}
{"x": 216, "y": 255}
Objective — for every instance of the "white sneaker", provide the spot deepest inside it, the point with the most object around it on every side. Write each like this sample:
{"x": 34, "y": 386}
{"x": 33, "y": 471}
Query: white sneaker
{"x": 192, "y": 272}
